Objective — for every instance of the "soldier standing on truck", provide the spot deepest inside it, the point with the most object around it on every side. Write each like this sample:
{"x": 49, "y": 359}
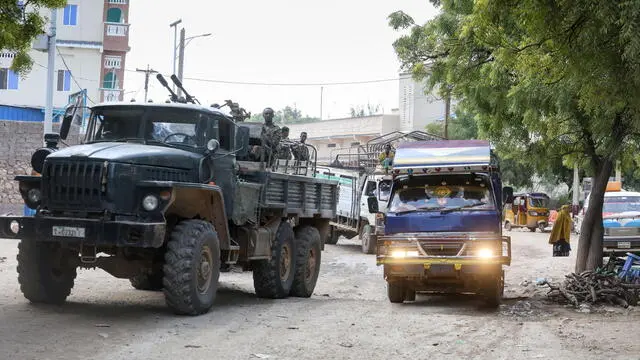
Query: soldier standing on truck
{"x": 301, "y": 152}
{"x": 270, "y": 135}
{"x": 284, "y": 150}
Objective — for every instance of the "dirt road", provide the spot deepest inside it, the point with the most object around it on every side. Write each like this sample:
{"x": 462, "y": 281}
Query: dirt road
{"x": 348, "y": 317}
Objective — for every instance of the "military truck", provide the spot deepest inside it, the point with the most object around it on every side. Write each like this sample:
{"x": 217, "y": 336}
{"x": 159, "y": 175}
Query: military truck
{"x": 165, "y": 195}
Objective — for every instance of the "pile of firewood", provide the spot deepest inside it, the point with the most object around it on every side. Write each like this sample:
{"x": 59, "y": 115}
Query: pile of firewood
{"x": 594, "y": 287}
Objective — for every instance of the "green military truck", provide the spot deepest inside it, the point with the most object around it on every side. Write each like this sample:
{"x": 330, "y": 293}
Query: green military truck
{"x": 166, "y": 195}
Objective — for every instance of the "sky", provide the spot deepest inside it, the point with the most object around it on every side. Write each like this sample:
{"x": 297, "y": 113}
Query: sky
{"x": 275, "y": 41}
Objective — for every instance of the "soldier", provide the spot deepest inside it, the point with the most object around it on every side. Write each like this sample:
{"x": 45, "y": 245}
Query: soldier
{"x": 270, "y": 135}
{"x": 302, "y": 152}
{"x": 284, "y": 150}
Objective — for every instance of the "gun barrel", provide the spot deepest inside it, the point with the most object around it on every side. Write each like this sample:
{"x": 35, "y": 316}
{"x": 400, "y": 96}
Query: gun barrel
{"x": 178, "y": 83}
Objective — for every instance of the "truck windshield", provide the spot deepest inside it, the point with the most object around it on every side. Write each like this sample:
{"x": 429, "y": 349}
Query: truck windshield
{"x": 167, "y": 126}
{"x": 618, "y": 204}
{"x": 440, "y": 195}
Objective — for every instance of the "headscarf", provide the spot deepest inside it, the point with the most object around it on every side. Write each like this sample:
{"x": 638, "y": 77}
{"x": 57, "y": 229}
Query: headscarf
{"x": 562, "y": 226}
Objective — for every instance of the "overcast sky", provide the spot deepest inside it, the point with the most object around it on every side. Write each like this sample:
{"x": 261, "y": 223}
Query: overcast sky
{"x": 275, "y": 41}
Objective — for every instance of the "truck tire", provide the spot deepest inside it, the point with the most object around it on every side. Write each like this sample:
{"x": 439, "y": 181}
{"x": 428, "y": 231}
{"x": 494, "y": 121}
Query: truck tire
{"x": 191, "y": 268}
{"x": 333, "y": 237}
{"x": 151, "y": 282}
{"x": 273, "y": 278}
{"x": 494, "y": 290}
{"x": 308, "y": 260}
{"x": 43, "y": 276}
{"x": 368, "y": 245}
{"x": 396, "y": 292}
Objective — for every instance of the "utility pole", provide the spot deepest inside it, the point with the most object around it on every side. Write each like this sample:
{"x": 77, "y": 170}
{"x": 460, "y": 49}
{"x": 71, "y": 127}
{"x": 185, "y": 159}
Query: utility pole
{"x": 321, "y": 90}
{"x": 181, "y": 59}
{"x": 447, "y": 110}
{"x": 146, "y": 72}
{"x": 51, "y": 69}
{"x": 174, "y": 25}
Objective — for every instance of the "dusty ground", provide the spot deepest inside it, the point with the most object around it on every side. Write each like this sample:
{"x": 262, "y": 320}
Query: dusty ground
{"x": 349, "y": 317}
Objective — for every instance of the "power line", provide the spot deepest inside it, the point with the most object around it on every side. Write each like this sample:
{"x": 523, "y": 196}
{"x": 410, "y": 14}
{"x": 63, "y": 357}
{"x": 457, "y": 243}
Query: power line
{"x": 286, "y": 84}
{"x": 71, "y": 74}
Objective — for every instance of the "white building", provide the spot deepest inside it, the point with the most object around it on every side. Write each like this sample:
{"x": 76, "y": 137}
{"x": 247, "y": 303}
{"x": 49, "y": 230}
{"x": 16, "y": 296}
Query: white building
{"x": 416, "y": 110}
{"x": 92, "y": 42}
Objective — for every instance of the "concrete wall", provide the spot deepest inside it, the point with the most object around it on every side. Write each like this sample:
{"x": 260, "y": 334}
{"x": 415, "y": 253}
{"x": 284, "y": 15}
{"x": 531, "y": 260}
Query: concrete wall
{"x": 86, "y": 67}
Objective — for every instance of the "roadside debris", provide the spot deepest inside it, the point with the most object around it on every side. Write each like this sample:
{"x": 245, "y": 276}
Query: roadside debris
{"x": 593, "y": 287}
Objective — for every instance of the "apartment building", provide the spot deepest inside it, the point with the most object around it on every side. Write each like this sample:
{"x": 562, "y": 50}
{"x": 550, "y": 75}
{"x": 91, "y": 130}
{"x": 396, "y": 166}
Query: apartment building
{"x": 92, "y": 44}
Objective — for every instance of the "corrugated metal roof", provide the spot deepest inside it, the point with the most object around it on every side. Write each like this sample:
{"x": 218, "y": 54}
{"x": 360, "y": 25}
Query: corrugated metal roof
{"x": 22, "y": 113}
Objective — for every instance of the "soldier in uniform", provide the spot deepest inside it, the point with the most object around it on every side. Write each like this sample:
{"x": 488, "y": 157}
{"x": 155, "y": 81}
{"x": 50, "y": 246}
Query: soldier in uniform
{"x": 284, "y": 148}
{"x": 270, "y": 136}
{"x": 302, "y": 152}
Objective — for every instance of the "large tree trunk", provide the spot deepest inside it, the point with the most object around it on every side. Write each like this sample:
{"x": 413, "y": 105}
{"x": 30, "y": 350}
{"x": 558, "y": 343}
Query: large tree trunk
{"x": 589, "y": 254}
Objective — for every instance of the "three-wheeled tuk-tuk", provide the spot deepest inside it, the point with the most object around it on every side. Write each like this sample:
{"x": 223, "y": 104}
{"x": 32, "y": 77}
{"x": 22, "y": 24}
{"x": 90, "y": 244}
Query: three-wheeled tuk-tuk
{"x": 530, "y": 210}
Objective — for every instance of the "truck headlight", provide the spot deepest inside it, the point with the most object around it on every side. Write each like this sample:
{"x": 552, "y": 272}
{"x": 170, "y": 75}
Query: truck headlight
{"x": 404, "y": 253}
{"x": 485, "y": 253}
{"x": 150, "y": 202}
{"x": 14, "y": 226}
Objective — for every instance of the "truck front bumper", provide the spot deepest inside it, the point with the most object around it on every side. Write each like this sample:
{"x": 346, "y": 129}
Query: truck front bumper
{"x": 408, "y": 255}
{"x": 88, "y": 232}
{"x": 621, "y": 244}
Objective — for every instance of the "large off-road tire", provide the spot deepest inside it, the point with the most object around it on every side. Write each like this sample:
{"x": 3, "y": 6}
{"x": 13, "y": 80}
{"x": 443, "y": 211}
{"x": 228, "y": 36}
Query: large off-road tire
{"x": 44, "y": 272}
{"x": 367, "y": 241}
{"x": 333, "y": 236}
{"x": 191, "y": 268}
{"x": 273, "y": 278}
{"x": 307, "y": 261}
{"x": 494, "y": 289}
{"x": 396, "y": 292}
{"x": 151, "y": 282}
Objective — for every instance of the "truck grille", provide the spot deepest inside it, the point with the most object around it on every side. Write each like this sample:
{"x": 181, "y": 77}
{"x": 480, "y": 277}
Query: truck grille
{"x": 70, "y": 185}
{"x": 440, "y": 248}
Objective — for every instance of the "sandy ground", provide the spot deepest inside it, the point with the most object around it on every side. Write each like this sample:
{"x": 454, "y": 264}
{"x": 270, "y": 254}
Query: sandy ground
{"x": 348, "y": 317}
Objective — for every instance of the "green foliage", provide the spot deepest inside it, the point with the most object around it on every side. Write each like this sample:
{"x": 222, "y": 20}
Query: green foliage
{"x": 368, "y": 110}
{"x": 288, "y": 115}
{"x": 550, "y": 81}
{"x": 19, "y": 25}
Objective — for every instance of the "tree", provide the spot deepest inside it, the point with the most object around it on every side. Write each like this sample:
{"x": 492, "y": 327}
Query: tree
{"x": 20, "y": 23}
{"x": 556, "y": 77}
{"x": 288, "y": 115}
{"x": 368, "y": 110}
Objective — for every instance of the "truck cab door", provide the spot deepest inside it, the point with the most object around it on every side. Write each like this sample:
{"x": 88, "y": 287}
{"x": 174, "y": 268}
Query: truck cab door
{"x": 368, "y": 190}
{"x": 223, "y": 160}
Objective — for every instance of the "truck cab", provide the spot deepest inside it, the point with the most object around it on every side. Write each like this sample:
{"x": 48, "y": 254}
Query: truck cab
{"x": 441, "y": 232}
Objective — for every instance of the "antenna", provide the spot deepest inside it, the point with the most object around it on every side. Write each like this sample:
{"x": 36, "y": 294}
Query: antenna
{"x": 178, "y": 83}
{"x": 164, "y": 83}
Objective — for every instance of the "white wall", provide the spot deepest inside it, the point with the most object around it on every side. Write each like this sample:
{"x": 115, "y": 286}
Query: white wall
{"x": 90, "y": 26}
{"x": 418, "y": 109}
{"x": 85, "y": 66}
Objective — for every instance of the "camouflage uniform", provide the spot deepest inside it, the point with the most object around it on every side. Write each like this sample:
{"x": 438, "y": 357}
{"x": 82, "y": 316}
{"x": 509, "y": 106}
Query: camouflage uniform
{"x": 301, "y": 152}
{"x": 270, "y": 140}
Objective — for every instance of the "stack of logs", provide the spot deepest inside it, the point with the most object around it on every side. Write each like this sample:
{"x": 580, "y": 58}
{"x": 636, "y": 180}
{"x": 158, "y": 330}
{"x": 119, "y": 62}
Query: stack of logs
{"x": 594, "y": 287}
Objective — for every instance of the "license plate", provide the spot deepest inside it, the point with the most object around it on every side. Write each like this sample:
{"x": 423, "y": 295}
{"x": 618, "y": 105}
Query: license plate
{"x": 624, "y": 245}
{"x": 66, "y": 231}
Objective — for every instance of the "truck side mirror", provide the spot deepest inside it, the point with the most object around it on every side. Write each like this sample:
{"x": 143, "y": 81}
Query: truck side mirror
{"x": 67, "y": 119}
{"x": 373, "y": 204}
{"x": 507, "y": 194}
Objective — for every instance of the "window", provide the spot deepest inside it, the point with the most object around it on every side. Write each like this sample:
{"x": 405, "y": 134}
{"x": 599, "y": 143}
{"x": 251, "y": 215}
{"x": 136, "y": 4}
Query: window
{"x": 114, "y": 15}
{"x": 64, "y": 80}
{"x": 355, "y": 144}
{"x": 70, "y": 17}
{"x": 370, "y": 189}
{"x": 8, "y": 79}
{"x": 331, "y": 145}
{"x": 110, "y": 81}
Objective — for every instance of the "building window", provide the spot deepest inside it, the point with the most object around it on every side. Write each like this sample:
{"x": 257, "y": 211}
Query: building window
{"x": 110, "y": 81}
{"x": 71, "y": 15}
{"x": 354, "y": 144}
{"x": 331, "y": 145}
{"x": 114, "y": 15}
{"x": 8, "y": 79}
{"x": 112, "y": 62}
{"x": 64, "y": 80}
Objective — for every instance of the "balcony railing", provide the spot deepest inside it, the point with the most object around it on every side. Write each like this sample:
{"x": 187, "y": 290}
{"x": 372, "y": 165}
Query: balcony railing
{"x": 117, "y": 1}
{"x": 111, "y": 95}
{"x": 115, "y": 29}
{"x": 112, "y": 62}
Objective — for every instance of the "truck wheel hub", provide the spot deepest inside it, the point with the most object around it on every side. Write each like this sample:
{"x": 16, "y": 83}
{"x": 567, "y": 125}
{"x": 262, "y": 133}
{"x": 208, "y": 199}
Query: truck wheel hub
{"x": 204, "y": 270}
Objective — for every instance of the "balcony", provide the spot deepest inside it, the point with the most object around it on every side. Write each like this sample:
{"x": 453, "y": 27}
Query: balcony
{"x": 112, "y": 62}
{"x": 116, "y": 36}
{"x": 123, "y": 2}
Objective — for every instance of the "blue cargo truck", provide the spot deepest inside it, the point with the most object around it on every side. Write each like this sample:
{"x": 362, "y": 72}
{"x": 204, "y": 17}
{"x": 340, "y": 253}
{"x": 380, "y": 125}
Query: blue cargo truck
{"x": 441, "y": 231}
